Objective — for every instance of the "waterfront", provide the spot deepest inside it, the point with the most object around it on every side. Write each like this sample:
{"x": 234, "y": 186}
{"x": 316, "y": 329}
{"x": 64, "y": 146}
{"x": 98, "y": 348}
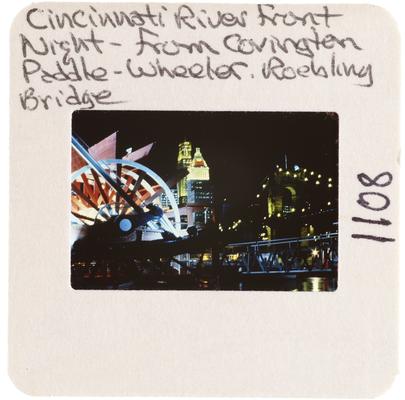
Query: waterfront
{"x": 167, "y": 210}
{"x": 149, "y": 277}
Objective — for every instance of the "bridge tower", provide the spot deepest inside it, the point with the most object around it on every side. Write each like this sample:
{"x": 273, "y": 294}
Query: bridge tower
{"x": 302, "y": 196}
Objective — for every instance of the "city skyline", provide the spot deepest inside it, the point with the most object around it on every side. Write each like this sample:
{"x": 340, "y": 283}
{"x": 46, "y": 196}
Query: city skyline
{"x": 244, "y": 200}
{"x": 239, "y": 159}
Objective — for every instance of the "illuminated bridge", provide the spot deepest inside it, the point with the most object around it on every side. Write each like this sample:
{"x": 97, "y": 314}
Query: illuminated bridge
{"x": 315, "y": 254}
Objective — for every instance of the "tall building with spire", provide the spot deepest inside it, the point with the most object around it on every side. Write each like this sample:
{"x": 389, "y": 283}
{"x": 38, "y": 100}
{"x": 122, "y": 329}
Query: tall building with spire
{"x": 184, "y": 160}
{"x": 195, "y": 190}
{"x": 199, "y": 191}
{"x": 199, "y": 169}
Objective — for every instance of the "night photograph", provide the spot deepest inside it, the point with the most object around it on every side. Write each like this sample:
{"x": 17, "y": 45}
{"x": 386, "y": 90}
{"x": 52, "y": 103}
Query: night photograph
{"x": 199, "y": 200}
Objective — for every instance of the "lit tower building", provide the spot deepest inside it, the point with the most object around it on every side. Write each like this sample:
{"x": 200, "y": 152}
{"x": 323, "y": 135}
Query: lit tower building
{"x": 184, "y": 160}
{"x": 194, "y": 191}
{"x": 199, "y": 170}
{"x": 199, "y": 190}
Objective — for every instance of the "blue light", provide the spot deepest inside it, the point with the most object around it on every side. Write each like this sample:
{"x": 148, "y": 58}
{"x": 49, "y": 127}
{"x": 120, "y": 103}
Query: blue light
{"x": 296, "y": 167}
{"x": 125, "y": 225}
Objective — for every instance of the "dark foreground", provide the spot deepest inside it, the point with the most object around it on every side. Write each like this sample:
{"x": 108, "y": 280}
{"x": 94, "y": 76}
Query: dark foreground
{"x": 136, "y": 277}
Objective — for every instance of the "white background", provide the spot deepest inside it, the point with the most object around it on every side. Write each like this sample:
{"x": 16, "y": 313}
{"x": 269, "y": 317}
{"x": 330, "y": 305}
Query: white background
{"x": 8, "y": 11}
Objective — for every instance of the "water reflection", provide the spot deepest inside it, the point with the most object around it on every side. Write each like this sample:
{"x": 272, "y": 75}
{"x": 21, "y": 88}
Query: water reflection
{"x": 293, "y": 284}
{"x": 316, "y": 284}
{"x": 92, "y": 276}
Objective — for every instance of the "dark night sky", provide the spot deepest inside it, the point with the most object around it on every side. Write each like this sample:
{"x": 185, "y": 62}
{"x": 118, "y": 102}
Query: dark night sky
{"x": 241, "y": 148}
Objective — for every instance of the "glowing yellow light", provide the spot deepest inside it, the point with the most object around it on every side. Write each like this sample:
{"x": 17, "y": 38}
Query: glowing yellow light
{"x": 318, "y": 284}
{"x": 329, "y": 185}
{"x": 280, "y": 169}
{"x": 317, "y": 183}
{"x": 264, "y": 185}
{"x": 287, "y": 173}
{"x": 278, "y": 215}
{"x": 233, "y": 257}
{"x": 330, "y": 180}
{"x": 315, "y": 252}
{"x": 329, "y": 203}
{"x": 293, "y": 209}
{"x": 305, "y": 170}
{"x": 319, "y": 176}
{"x": 303, "y": 210}
{"x": 312, "y": 172}
{"x": 295, "y": 175}
{"x": 258, "y": 195}
{"x": 306, "y": 179}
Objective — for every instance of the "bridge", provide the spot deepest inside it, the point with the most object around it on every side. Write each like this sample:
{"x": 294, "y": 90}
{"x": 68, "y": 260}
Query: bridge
{"x": 316, "y": 254}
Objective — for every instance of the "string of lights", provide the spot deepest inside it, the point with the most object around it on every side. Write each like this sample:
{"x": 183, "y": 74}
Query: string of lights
{"x": 303, "y": 175}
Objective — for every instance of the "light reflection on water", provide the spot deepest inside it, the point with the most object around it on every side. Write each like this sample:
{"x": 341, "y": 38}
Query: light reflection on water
{"x": 91, "y": 277}
{"x": 316, "y": 284}
{"x": 293, "y": 284}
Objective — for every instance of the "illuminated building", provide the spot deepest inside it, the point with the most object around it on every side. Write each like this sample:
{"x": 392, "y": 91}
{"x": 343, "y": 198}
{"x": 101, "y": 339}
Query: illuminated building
{"x": 165, "y": 201}
{"x": 199, "y": 191}
{"x": 200, "y": 199}
{"x": 199, "y": 170}
{"x": 195, "y": 190}
{"x": 184, "y": 160}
